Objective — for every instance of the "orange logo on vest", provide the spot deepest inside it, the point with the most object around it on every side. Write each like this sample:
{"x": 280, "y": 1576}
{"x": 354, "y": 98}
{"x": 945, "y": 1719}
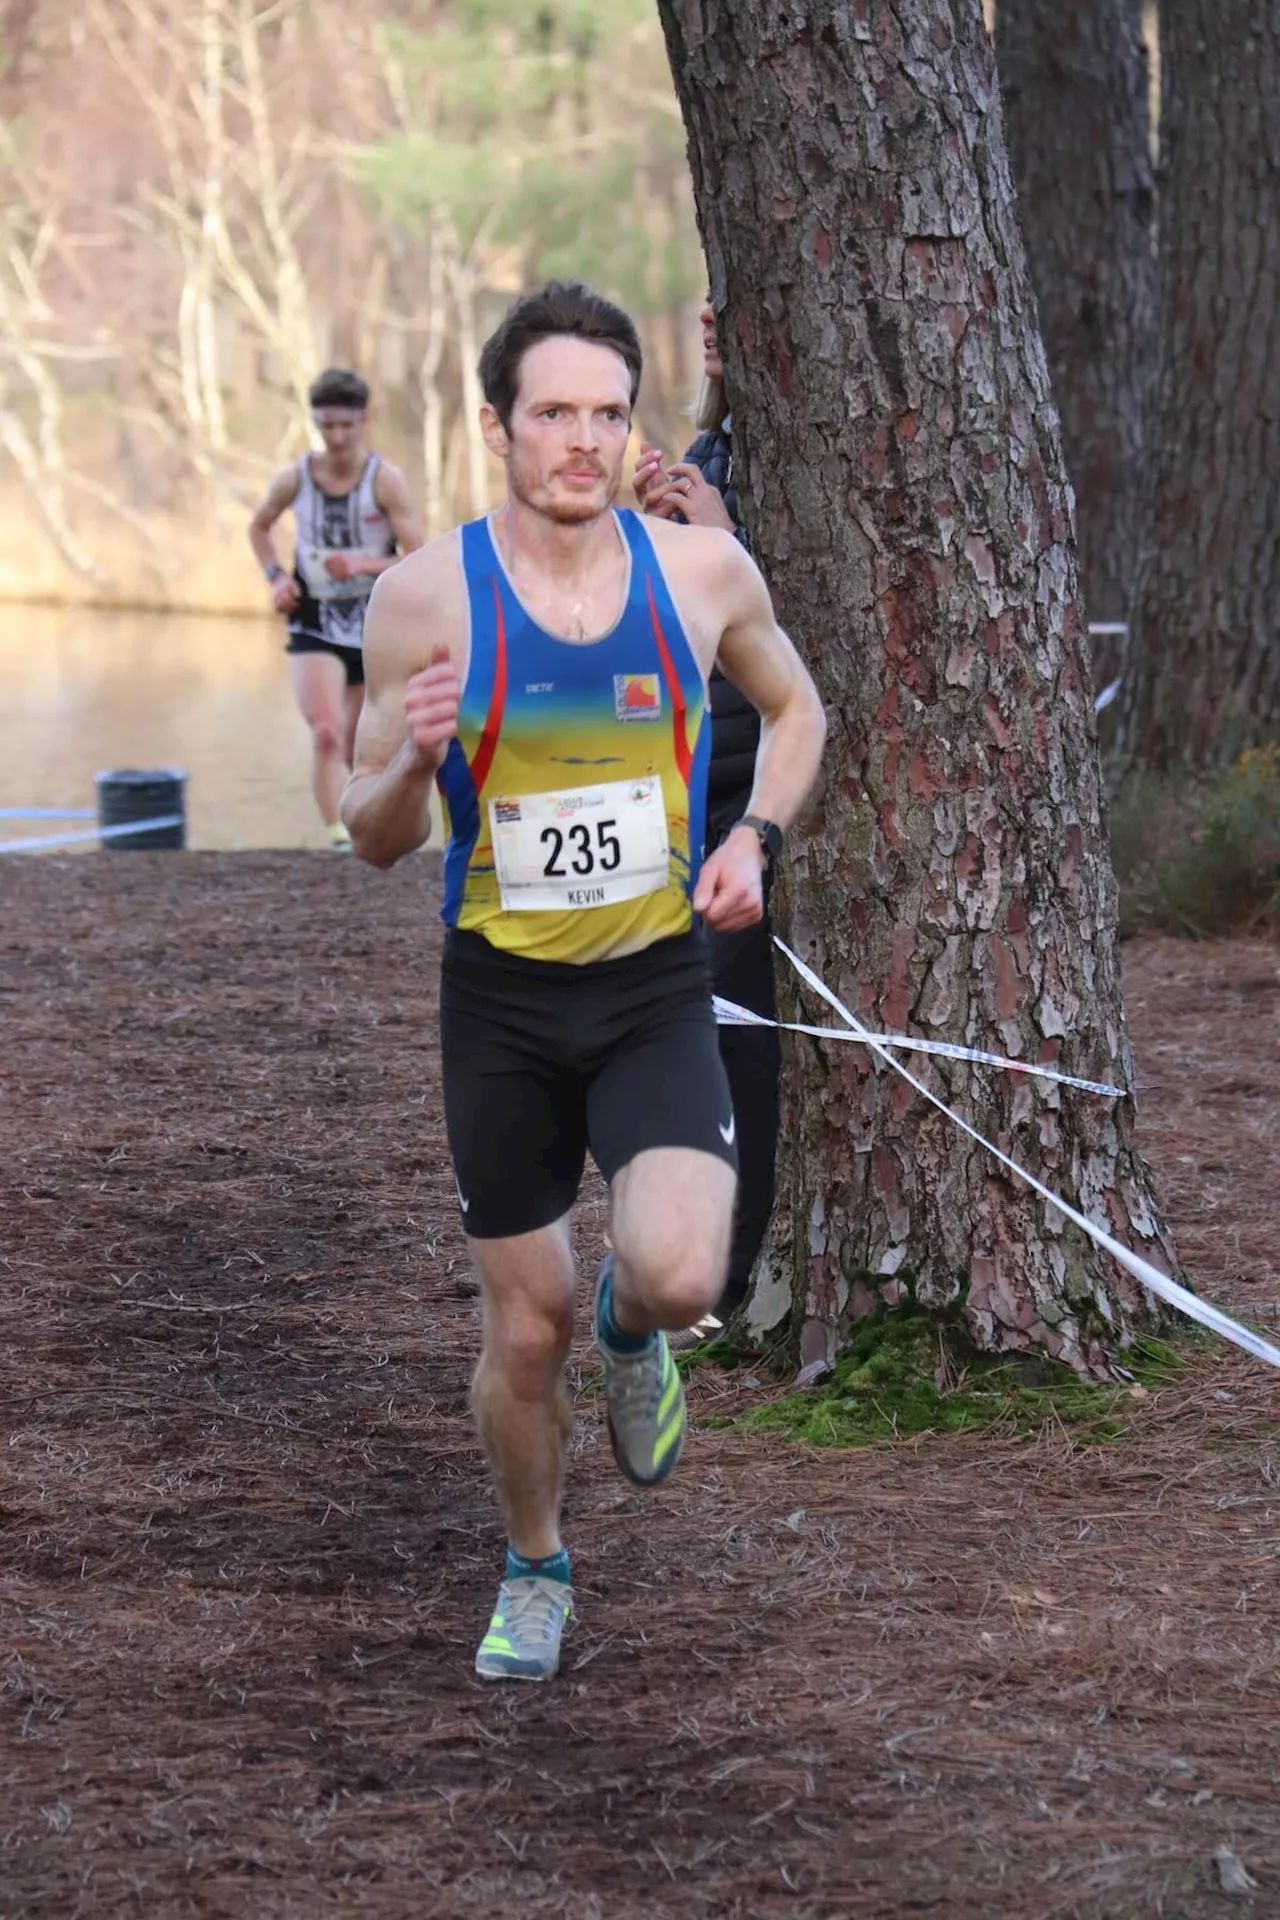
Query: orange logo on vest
{"x": 637, "y": 696}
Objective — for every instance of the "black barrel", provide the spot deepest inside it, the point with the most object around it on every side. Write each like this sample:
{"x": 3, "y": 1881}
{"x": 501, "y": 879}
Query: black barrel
{"x": 129, "y": 795}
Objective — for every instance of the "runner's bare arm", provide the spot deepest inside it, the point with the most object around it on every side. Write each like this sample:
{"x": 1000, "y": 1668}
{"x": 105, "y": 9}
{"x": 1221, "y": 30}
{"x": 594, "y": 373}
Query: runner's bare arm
{"x": 281, "y": 492}
{"x": 279, "y": 497}
{"x": 410, "y": 714}
{"x": 762, "y": 663}
{"x": 394, "y": 496}
{"x": 755, "y": 655}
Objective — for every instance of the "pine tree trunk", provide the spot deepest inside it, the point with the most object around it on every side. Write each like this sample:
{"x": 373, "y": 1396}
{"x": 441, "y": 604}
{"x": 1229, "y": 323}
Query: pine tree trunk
{"x": 1206, "y": 643}
{"x": 900, "y": 466}
{"x": 1074, "y": 84}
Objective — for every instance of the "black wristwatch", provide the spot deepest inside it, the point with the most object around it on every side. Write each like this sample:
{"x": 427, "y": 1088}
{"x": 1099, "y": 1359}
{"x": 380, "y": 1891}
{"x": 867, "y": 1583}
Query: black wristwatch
{"x": 769, "y": 835}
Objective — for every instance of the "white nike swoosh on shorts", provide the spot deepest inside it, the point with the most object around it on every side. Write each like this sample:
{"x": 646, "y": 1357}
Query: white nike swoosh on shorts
{"x": 727, "y": 1133}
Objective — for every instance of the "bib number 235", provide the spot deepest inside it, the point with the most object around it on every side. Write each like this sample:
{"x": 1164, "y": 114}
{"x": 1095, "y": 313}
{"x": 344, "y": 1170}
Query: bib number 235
{"x": 585, "y": 853}
{"x": 590, "y": 847}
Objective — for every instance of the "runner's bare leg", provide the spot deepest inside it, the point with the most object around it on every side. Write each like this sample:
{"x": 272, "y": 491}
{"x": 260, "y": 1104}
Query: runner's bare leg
{"x": 671, "y": 1219}
{"x": 320, "y": 689}
{"x": 354, "y": 704}
{"x": 519, "y": 1395}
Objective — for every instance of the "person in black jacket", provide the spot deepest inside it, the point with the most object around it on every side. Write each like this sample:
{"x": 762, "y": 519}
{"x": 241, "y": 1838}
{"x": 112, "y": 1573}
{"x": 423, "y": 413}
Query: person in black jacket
{"x": 700, "y": 489}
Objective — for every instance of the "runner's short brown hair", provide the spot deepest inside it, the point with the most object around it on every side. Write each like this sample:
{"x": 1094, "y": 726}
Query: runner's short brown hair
{"x": 339, "y": 387}
{"x": 561, "y": 307}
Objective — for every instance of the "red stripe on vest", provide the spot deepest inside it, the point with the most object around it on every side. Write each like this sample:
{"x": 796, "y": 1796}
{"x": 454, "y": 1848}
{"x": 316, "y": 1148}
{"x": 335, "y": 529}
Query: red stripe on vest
{"x": 679, "y": 708}
{"x": 488, "y": 745}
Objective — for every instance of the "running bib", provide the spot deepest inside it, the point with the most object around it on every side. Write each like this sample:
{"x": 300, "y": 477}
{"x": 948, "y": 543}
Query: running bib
{"x": 321, "y": 584}
{"x": 587, "y": 848}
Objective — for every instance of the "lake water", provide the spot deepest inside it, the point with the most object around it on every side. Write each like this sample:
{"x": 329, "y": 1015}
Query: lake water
{"x": 86, "y": 691}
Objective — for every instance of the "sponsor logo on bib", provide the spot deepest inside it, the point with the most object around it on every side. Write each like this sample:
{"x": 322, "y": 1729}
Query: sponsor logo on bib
{"x": 637, "y": 696}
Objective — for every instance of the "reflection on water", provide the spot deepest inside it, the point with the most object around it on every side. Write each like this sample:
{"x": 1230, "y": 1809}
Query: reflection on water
{"x": 85, "y": 690}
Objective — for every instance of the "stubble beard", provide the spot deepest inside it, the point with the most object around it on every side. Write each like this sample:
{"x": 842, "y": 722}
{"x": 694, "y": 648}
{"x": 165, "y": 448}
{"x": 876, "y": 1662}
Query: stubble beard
{"x": 562, "y": 511}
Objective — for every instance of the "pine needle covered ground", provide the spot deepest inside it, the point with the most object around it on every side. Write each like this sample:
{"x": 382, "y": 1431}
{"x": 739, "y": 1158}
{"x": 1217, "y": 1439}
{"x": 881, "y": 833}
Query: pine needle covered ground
{"x": 246, "y": 1547}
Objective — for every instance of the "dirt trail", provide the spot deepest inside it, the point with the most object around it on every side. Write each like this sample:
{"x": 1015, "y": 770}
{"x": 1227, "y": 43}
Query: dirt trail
{"x": 246, "y": 1548}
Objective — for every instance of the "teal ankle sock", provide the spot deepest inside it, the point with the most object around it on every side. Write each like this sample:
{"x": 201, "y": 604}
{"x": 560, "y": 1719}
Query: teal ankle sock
{"x": 615, "y": 1337}
{"x": 554, "y": 1567}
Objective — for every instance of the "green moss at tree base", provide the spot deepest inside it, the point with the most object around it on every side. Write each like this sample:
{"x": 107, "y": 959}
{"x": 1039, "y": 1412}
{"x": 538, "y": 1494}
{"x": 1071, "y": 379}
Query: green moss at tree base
{"x": 902, "y": 1376}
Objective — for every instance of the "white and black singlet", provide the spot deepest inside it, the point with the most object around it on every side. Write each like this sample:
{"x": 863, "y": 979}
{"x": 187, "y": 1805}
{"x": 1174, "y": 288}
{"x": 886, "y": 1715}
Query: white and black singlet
{"x": 333, "y": 610}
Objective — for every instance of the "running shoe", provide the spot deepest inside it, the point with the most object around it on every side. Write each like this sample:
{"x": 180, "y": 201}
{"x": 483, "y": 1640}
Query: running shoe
{"x": 523, "y": 1641}
{"x": 645, "y": 1400}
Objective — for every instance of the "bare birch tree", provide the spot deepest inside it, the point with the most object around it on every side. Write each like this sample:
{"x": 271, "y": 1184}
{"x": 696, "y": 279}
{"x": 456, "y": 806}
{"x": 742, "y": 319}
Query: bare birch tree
{"x": 234, "y": 195}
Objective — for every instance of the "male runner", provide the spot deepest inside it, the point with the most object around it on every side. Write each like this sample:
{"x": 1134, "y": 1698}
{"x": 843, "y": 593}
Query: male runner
{"x": 352, "y": 510}
{"x": 548, "y": 666}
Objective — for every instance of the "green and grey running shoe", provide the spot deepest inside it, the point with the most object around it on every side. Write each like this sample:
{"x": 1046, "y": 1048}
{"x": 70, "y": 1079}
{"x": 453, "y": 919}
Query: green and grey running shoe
{"x": 646, "y": 1403}
{"x": 523, "y": 1641}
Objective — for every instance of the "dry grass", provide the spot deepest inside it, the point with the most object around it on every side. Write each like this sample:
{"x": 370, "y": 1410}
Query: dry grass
{"x": 247, "y": 1546}
{"x": 1199, "y": 856}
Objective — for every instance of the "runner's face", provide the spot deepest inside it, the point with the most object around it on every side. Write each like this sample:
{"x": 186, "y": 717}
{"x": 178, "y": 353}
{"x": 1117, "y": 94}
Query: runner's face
{"x": 711, "y": 362}
{"x": 341, "y": 429}
{"x": 567, "y": 441}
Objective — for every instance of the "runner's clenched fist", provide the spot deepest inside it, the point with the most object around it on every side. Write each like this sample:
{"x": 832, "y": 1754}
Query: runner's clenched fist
{"x": 730, "y": 890}
{"x": 431, "y": 706}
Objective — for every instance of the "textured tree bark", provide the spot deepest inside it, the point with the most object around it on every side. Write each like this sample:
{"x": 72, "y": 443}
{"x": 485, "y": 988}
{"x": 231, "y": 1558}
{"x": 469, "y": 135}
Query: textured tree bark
{"x": 1206, "y": 645}
{"x": 1074, "y": 84}
{"x": 900, "y": 466}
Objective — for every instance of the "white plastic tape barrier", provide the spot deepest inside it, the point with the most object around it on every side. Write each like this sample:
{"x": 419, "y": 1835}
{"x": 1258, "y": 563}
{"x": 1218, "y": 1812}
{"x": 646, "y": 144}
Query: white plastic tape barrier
{"x": 1110, "y": 691}
{"x": 1151, "y": 1277}
{"x": 729, "y": 1014}
{"x": 47, "y": 813}
{"x": 94, "y": 833}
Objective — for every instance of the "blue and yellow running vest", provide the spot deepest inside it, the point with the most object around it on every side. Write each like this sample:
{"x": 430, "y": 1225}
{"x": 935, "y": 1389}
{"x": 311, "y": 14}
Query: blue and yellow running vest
{"x": 573, "y": 755}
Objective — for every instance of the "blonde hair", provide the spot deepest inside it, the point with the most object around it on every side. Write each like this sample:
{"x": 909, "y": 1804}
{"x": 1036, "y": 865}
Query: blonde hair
{"x": 711, "y": 406}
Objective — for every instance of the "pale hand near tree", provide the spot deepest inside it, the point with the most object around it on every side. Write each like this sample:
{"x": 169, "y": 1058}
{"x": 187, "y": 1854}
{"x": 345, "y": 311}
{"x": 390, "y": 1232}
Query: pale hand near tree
{"x": 730, "y": 890}
{"x": 679, "y": 488}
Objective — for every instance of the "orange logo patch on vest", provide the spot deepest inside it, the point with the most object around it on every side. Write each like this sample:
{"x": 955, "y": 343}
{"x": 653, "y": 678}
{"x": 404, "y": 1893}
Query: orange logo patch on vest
{"x": 637, "y": 696}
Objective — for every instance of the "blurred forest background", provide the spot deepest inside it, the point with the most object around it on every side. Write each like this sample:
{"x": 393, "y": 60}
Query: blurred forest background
{"x": 206, "y": 201}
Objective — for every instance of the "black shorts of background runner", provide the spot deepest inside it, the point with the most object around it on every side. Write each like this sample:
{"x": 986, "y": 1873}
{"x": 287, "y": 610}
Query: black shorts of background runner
{"x": 542, "y": 1060}
{"x": 352, "y": 658}
{"x": 742, "y": 971}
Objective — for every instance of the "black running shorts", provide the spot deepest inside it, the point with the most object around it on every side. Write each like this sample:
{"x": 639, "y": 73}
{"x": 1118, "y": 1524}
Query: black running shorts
{"x": 352, "y": 658}
{"x": 543, "y": 1060}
